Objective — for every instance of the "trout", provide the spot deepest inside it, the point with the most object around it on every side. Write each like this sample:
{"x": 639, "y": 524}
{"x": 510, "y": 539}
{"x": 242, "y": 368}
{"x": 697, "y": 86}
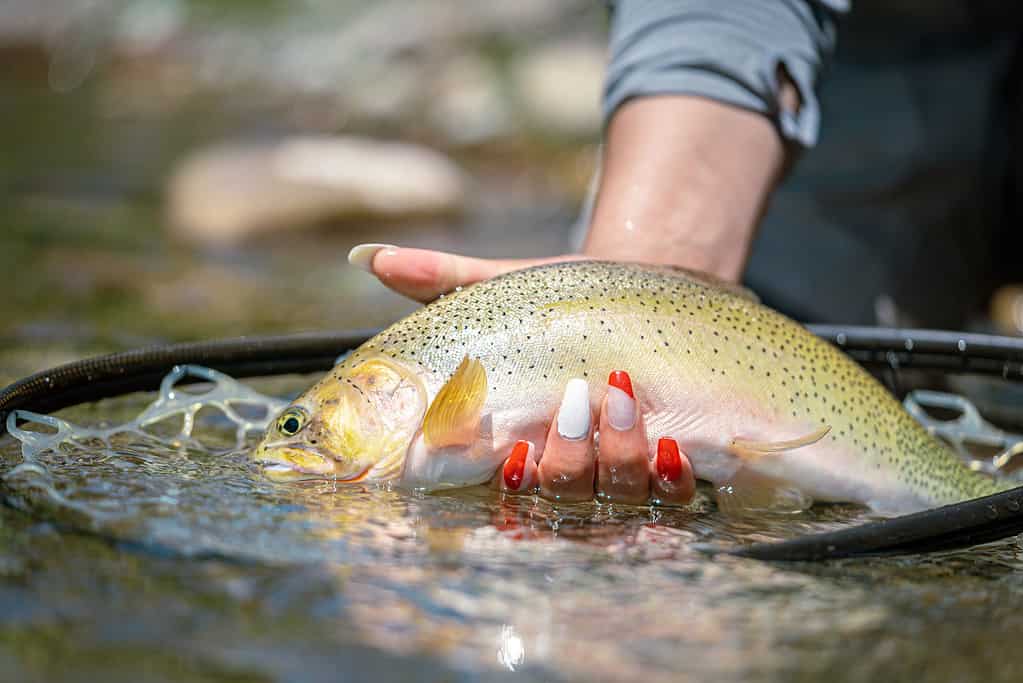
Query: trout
{"x": 763, "y": 408}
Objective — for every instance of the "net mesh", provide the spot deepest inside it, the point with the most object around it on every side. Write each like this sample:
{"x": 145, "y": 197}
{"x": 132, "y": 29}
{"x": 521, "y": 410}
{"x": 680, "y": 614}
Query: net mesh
{"x": 981, "y": 444}
{"x": 167, "y": 425}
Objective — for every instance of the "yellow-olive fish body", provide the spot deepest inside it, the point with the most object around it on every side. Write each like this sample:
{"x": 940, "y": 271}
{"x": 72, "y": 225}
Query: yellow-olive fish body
{"x": 760, "y": 405}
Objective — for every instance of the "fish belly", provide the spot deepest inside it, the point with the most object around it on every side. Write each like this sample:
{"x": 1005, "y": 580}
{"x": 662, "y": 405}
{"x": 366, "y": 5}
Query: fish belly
{"x": 826, "y": 471}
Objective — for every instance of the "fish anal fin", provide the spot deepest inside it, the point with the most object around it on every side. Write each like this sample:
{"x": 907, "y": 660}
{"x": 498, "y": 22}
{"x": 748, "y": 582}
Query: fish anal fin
{"x": 749, "y": 491}
{"x": 748, "y": 449}
{"x": 453, "y": 417}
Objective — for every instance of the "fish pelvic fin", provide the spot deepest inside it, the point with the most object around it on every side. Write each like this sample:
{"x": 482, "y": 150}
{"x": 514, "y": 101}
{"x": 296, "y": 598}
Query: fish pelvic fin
{"x": 453, "y": 417}
{"x": 749, "y": 450}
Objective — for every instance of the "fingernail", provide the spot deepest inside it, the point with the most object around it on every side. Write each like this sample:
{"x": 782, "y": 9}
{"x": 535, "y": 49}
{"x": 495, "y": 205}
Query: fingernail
{"x": 361, "y": 255}
{"x": 621, "y": 402}
{"x": 669, "y": 462}
{"x": 515, "y": 466}
{"x": 574, "y": 414}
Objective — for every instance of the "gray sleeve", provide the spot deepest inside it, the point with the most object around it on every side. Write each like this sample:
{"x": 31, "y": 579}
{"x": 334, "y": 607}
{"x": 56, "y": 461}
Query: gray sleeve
{"x": 726, "y": 51}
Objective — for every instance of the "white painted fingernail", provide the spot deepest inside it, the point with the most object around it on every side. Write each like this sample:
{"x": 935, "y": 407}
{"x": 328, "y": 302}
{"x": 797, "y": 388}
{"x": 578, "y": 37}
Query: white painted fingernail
{"x": 361, "y": 255}
{"x": 574, "y": 414}
{"x": 621, "y": 409}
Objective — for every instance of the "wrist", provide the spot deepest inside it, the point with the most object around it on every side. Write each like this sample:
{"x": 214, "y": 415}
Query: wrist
{"x": 693, "y": 227}
{"x": 684, "y": 182}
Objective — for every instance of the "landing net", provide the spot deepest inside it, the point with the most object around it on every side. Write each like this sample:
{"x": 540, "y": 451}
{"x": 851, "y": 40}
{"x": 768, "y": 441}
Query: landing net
{"x": 245, "y": 413}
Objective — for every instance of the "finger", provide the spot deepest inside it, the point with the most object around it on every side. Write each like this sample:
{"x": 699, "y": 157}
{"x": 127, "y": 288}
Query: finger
{"x": 566, "y": 467}
{"x": 424, "y": 274}
{"x": 623, "y": 461}
{"x": 519, "y": 472}
{"x": 671, "y": 474}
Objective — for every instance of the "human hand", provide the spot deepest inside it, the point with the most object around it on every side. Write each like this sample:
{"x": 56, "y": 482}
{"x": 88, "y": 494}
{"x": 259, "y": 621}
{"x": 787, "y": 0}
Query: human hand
{"x": 424, "y": 274}
{"x": 571, "y": 469}
{"x": 684, "y": 182}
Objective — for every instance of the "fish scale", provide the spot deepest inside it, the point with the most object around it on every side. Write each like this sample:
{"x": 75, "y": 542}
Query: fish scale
{"x": 710, "y": 364}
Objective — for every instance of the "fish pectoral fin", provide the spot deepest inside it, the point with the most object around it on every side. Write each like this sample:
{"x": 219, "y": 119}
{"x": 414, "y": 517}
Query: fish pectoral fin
{"x": 453, "y": 417}
{"x": 749, "y": 491}
{"x": 747, "y": 449}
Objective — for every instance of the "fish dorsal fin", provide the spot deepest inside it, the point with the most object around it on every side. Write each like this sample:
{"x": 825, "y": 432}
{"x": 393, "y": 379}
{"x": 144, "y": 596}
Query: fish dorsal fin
{"x": 751, "y": 450}
{"x": 713, "y": 281}
{"x": 453, "y": 417}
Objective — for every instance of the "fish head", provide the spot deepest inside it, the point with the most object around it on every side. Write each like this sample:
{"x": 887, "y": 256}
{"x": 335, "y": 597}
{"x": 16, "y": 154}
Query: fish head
{"x": 355, "y": 424}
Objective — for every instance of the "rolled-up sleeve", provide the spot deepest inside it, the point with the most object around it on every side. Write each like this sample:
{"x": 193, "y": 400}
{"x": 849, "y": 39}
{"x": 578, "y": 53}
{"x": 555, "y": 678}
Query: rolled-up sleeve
{"x": 730, "y": 52}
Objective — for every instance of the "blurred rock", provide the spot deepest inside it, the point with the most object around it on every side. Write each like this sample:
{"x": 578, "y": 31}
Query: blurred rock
{"x": 327, "y": 48}
{"x": 559, "y": 87}
{"x": 469, "y": 106}
{"x": 392, "y": 93}
{"x": 1006, "y": 309}
{"x": 225, "y": 194}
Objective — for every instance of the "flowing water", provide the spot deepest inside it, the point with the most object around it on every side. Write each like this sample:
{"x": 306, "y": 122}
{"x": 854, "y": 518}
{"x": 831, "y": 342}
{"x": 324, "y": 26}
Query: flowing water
{"x": 156, "y": 550}
{"x": 167, "y": 557}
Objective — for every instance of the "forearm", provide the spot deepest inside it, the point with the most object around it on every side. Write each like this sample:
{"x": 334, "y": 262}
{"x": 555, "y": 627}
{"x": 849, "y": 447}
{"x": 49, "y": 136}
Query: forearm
{"x": 704, "y": 102}
{"x": 684, "y": 182}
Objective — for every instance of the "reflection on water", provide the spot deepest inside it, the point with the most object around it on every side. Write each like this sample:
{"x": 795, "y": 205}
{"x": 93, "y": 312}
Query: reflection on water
{"x": 229, "y": 574}
{"x": 163, "y": 562}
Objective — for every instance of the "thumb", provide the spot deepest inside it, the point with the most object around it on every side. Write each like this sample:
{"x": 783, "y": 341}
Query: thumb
{"x": 424, "y": 274}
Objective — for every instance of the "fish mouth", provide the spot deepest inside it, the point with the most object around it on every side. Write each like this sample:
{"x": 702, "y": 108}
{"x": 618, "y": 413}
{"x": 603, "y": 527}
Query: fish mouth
{"x": 283, "y": 464}
{"x": 279, "y": 472}
{"x": 290, "y": 464}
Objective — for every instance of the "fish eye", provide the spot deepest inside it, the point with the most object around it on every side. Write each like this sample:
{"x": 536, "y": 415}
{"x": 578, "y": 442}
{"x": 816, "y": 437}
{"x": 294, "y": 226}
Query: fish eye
{"x": 291, "y": 421}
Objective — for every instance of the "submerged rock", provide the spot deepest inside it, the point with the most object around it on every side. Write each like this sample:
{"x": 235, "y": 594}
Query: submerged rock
{"x": 227, "y": 193}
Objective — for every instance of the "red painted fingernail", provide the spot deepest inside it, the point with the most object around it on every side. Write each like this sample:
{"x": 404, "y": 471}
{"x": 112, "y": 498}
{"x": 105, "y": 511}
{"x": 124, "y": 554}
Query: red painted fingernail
{"x": 669, "y": 462}
{"x": 621, "y": 380}
{"x": 516, "y": 465}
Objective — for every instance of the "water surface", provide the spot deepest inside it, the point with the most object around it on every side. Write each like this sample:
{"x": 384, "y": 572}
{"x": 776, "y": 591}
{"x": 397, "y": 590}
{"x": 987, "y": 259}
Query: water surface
{"x": 165, "y": 562}
{"x": 180, "y": 561}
